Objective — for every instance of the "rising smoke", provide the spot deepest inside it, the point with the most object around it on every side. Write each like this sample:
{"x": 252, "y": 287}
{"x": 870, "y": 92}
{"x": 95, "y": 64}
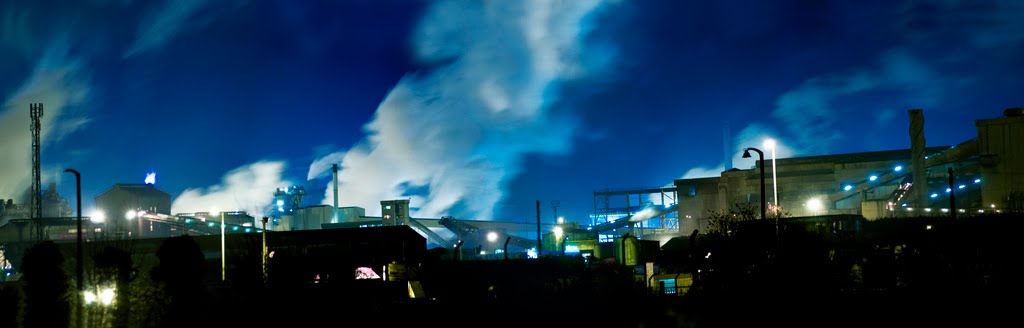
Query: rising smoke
{"x": 56, "y": 82}
{"x": 247, "y": 188}
{"x": 449, "y": 137}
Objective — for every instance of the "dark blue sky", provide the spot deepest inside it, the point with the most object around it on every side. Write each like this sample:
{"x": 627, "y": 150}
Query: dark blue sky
{"x": 590, "y": 95}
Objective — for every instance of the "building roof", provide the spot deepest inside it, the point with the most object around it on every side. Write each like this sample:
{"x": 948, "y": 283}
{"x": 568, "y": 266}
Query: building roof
{"x": 136, "y": 188}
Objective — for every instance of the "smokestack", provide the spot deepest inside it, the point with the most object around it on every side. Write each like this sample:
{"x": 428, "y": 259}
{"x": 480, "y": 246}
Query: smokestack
{"x": 726, "y": 146}
{"x": 917, "y": 145}
{"x": 335, "y": 168}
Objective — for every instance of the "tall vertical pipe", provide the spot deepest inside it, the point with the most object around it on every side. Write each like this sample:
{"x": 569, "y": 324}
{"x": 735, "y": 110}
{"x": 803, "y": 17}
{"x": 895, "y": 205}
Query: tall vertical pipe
{"x": 335, "y": 168}
{"x": 917, "y": 146}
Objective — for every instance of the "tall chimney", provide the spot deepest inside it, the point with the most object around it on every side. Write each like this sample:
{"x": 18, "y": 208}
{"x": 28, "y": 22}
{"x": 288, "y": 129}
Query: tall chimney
{"x": 917, "y": 145}
{"x": 335, "y": 168}
{"x": 726, "y": 146}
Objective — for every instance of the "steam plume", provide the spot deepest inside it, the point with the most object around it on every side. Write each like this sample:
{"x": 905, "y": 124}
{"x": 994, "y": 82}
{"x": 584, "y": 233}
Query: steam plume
{"x": 451, "y": 136}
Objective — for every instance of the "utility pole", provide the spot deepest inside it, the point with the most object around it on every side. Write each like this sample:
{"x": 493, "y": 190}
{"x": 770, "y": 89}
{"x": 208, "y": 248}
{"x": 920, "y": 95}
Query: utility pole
{"x": 264, "y": 257}
{"x": 540, "y": 246}
{"x": 952, "y": 192}
{"x": 554, "y": 210}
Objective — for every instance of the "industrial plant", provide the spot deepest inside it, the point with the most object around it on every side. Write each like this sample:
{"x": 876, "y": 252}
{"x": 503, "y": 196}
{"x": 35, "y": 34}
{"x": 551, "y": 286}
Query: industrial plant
{"x": 660, "y": 234}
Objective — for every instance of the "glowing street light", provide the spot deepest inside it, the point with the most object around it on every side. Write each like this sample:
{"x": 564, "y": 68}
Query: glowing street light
{"x": 558, "y": 232}
{"x": 561, "y": 219}
{"x": 492, "y": 236}
{"x": 130, "y": 214}
{"x": 97, "y": 216}
{"x": 814, "y": 205}
{"x": 103, "y": 296}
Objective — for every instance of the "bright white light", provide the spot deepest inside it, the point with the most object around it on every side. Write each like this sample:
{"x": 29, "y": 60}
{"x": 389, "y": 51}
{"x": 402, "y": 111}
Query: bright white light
{"x": 910, "y": 209}
{"x": 561, "y": 219}
{"x": 945, "y": 210}
{"x": 151, "y": 178}
{"x": 962, "y": 187}
{"x": 935, "y": 195}
{"x": 280, "y": 202}
{"x": 492, "y": 236}
{"x": 531, "y": 253}
{"x": 927, "y": 209}
{"x": 483, "y": 252}
{"x": 928, "y": 227}
{"x": 992, "y": 205}
{"x": 708, "y": 256}
{"x": 106, "y": 296}
{"x": 558, "y": 232}
{"x": 948, "y": 190}
{"x": 814, "y": 204}
{"x": 215, "y": 211}
{"x": 977, "y": 180}
{"x": 90, "y": 297}
{"x": 769, "y": 143}
{"x": 97, "y": 216}
{"x": 873, "y": 178}
{"x": 981, "y": 211}
{"x": 898, "y": 168}
{"x": 130, "y": 214}
{"x": 847, "y": 188}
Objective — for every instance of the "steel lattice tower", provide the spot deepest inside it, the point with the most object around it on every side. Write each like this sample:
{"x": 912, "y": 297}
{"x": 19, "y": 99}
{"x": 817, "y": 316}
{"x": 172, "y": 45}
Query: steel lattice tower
{"x": 37, "y": 194}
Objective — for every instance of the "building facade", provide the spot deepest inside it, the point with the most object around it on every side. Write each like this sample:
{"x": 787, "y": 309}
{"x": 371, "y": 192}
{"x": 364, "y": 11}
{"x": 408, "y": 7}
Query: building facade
{"x": 988, "y": 176}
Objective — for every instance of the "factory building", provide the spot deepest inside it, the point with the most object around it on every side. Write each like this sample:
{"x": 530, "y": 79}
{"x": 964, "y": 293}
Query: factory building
{"x": 123, "y": 198}
{"x": 987, "y": 176}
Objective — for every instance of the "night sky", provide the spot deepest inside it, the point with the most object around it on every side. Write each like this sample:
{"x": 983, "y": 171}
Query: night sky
{"x": 477, "y": 109}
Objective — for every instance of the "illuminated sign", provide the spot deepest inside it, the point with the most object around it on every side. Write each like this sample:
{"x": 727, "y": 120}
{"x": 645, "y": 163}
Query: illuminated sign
{"x": 572, "y": 249}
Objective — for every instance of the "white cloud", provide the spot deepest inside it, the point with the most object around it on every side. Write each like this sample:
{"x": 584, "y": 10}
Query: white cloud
{"x": 453, "y": 135}
{"x": 247, "y": 188}
{"x": 164, "y": 22}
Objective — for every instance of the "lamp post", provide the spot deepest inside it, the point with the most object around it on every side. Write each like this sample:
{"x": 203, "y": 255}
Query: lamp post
{"x": 770, "y": 143}
{"x": 78, "y": 246}
{"x": 264, "y": 257}
{"x": 223, "y": 257}
{"x": 760, "y": 154}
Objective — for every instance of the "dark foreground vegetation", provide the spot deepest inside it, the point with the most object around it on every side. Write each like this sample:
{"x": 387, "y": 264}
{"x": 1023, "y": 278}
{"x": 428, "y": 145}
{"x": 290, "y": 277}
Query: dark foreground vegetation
{"x": 829, "y": 271}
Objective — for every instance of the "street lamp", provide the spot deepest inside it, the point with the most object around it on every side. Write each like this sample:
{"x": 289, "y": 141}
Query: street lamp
{"x": 78, "y": 265}
{"x": 770, "y": 143}
{"x": 492, "y": 236}
{"x": 760, "y": 154}
{"x": 223, "y": 261}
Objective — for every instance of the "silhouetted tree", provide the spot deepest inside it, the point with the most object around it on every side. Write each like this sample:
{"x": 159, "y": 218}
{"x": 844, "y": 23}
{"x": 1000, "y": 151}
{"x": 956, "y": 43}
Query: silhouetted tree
{"x": 113, "y": 266}
{"x": 181, "y": 271}
{"x": 46, "y": 287}
{"x": 9, "y": 306}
